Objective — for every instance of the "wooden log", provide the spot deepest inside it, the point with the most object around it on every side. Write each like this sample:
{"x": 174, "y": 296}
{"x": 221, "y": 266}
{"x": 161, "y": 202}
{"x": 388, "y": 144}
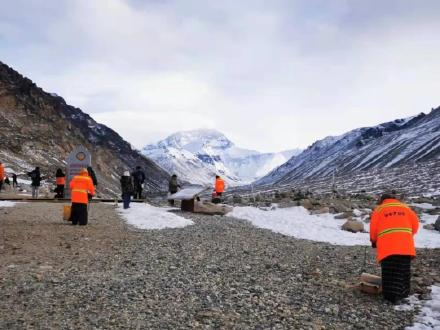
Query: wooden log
{"x": 370, "y": 284}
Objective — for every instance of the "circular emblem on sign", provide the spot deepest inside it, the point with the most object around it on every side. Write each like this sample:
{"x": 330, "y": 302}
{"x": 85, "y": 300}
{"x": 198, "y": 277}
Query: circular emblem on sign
{"x": 80, "y": 156}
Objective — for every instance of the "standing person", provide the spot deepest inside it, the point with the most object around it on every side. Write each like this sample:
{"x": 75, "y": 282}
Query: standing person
{"x": 219, "y": 186}
{"x": 60, "y": 182}
{"x": 92, "y": 174}
{"x": 81, "y": 187}
{"x": 173, "y": 187}
{"x": 14, "y": 181}
{"x": 392, "y": 229}
{"x": 2, "y": 175}
{"x": 35, "y": 176}
{"x": 138, "y": 181}
{"x": 126, "y": 188}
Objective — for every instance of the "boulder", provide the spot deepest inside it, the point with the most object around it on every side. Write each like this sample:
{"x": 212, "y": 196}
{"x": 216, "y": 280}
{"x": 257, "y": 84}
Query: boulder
{"x": 353, "y": 226}
{"x": 437, "y": 224}
{"x": 344, "y": 215}
{"x": 307, "y": 204}
{"x": 429, "y": 226}
{"x": 211, "y": 208}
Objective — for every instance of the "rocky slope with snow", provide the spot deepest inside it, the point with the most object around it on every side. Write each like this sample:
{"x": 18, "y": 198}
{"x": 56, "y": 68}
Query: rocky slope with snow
{"x": 408, "y": 144}
{"x": 40, "y": 129}
{"x": 197, "y": 156}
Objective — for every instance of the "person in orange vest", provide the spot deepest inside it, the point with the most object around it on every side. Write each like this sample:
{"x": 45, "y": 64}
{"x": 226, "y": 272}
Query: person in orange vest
{"x": 81, "y": 186}
{"x": 219, "y": 186}
{"x": 392, "y": 229}
{"x": 2, "y": 175}
{"x": 60, "y": 181}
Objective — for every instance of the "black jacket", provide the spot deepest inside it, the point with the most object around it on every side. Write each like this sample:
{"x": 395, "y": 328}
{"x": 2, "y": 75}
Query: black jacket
{"x": 173, "y": 186}
{"x": 127, "y": 185}
{"x": 138, "y": 177}
{"x": 35, "y": 177}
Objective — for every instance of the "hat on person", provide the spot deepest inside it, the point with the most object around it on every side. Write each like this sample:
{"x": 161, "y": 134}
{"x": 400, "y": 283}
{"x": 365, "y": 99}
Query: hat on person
{"x": 126, "y": 173}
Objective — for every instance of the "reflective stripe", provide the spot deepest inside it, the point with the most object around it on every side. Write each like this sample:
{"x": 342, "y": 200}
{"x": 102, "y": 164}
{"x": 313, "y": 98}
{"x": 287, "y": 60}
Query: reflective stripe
{"x": 85, "y": 191}
{"x": 82, "y": 177}
{"x": 395, "y": 230}
{"x": 379, "y": 208}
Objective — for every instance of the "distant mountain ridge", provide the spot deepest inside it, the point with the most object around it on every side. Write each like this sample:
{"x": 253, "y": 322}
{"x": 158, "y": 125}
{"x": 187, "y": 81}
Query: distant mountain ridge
{"x": 39, "y": 129}
{"x": 397, "y": 143}
{"x": 197, "y": 156}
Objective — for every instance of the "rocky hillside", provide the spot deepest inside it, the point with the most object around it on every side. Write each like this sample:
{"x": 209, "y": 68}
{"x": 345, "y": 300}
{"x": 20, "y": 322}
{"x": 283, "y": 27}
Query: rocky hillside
{"x": 197, "y": 156}
{"x": 40, "y": 129}
{"x": 407, "y": 144}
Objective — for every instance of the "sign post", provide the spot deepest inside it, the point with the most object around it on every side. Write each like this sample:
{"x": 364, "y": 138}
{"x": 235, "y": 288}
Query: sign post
{"x": 78, "y": 158}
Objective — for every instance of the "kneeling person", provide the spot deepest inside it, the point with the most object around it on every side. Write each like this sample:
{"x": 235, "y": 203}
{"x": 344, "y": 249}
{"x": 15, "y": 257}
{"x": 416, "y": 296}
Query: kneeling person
{"x": 393, "y": 225}
{"x": 81, "y": 187}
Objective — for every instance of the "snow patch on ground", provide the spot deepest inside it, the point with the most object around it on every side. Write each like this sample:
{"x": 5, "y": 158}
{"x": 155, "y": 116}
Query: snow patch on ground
{"x": 429, "y": 314}
{"x": 6, "y": 204}
{"x": 299, "y": 223}
{"x": 145, "y": 216}
{"x": 425, "y": 206}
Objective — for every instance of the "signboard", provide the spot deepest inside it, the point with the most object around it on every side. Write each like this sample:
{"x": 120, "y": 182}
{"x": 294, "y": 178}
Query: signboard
{"x": 188, "y": 193}
{"x": 79, "y": 158}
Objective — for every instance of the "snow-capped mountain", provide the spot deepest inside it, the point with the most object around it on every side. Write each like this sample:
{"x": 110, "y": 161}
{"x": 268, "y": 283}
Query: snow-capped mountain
{"x": 398, "y": 143}
{"x": 197, "y": 156}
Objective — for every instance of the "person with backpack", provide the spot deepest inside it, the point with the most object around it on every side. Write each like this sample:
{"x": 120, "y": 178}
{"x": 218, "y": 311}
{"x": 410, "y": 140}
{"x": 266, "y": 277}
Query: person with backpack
{"x": 126, "y": 188}
{"x": 35, "y": 176}
{"x": 138, "y": 181}
{"x": 173, "y": 187}
{"x": 60, "y": 182}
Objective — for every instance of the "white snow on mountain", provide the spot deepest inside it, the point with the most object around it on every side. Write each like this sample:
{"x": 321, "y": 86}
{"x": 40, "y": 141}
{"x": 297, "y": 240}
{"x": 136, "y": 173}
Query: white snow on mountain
{"x": 400, "y": 142}
{"x": 197, "y": 156}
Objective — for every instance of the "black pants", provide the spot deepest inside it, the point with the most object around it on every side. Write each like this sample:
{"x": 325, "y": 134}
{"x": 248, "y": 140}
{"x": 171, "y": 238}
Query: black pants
{"x": 396, "y": 276}
{"x": 60, "y": 191}
{"x": 1, "y": 184}
{"x": 137, "y": 192}
{"x": 79, "y": 214}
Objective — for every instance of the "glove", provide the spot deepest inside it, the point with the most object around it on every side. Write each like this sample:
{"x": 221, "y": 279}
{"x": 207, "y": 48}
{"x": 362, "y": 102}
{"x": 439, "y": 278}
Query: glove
{"x": 373, "y": 245}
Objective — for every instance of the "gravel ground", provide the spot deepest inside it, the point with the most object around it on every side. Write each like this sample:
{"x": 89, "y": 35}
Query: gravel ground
{"x": 218, "y": 273}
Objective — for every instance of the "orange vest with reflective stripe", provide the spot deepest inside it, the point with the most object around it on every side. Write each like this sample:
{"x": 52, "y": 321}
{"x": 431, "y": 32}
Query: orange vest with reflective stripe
{"x": 219, "y": 186}
{"x": 80, "y": 187}
{"x": 2, "y": 172}
{"x": 60, "y": 180}
{"x": 393, "y": 225}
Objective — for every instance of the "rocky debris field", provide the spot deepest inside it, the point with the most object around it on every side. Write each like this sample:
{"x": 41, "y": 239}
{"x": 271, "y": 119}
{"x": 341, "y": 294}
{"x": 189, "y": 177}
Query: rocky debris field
{"x": 218, "y": 273}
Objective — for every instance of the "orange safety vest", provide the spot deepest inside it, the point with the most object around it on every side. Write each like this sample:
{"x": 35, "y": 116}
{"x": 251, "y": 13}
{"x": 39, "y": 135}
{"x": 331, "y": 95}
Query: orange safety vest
{"x": 219, "y": 185}
{"x": 392, "y": 227}
{"x": 80, "y": 187}
{"x": 60, "y": 180}
{"x": 2, "y": 172}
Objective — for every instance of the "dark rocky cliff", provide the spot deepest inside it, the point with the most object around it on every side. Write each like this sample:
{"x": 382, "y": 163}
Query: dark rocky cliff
{"x": 40, "y": 129}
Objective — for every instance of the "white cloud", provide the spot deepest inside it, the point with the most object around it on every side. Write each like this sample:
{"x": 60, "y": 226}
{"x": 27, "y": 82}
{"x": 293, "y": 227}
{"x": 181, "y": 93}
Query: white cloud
{"x": 272, "y": 75}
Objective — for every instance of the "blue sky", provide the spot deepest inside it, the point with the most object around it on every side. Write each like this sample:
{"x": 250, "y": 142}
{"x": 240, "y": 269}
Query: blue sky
{"x": 271, "y": 75}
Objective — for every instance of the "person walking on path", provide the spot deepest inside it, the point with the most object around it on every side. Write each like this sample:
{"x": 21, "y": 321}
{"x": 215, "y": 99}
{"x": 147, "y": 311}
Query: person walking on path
{"x": 392, "y": 229}
{"x": 127, "y": 189}
{"x": 60, "y": 182}
{"x": 35, "y": 176}
{"x": 138, "y": 181}
{"x": 2, "y": 175}
{"x": 81, "y": 187}
{"x": 173, "y": 187}
{"x": 14, "y": 181}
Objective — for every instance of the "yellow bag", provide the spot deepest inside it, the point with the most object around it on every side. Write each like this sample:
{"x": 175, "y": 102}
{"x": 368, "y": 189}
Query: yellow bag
{"x": 67, "y": 210}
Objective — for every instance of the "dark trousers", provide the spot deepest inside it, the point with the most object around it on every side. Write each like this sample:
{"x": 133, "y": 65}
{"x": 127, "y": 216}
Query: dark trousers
{"x": 396, "y": 276}
{"x": 1, "y": 184}
{"x": 126, "y": 198}
{"x": 138, "y": 192}
{"x": 60, "y": 191}
{"x": 79, "y": 214}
